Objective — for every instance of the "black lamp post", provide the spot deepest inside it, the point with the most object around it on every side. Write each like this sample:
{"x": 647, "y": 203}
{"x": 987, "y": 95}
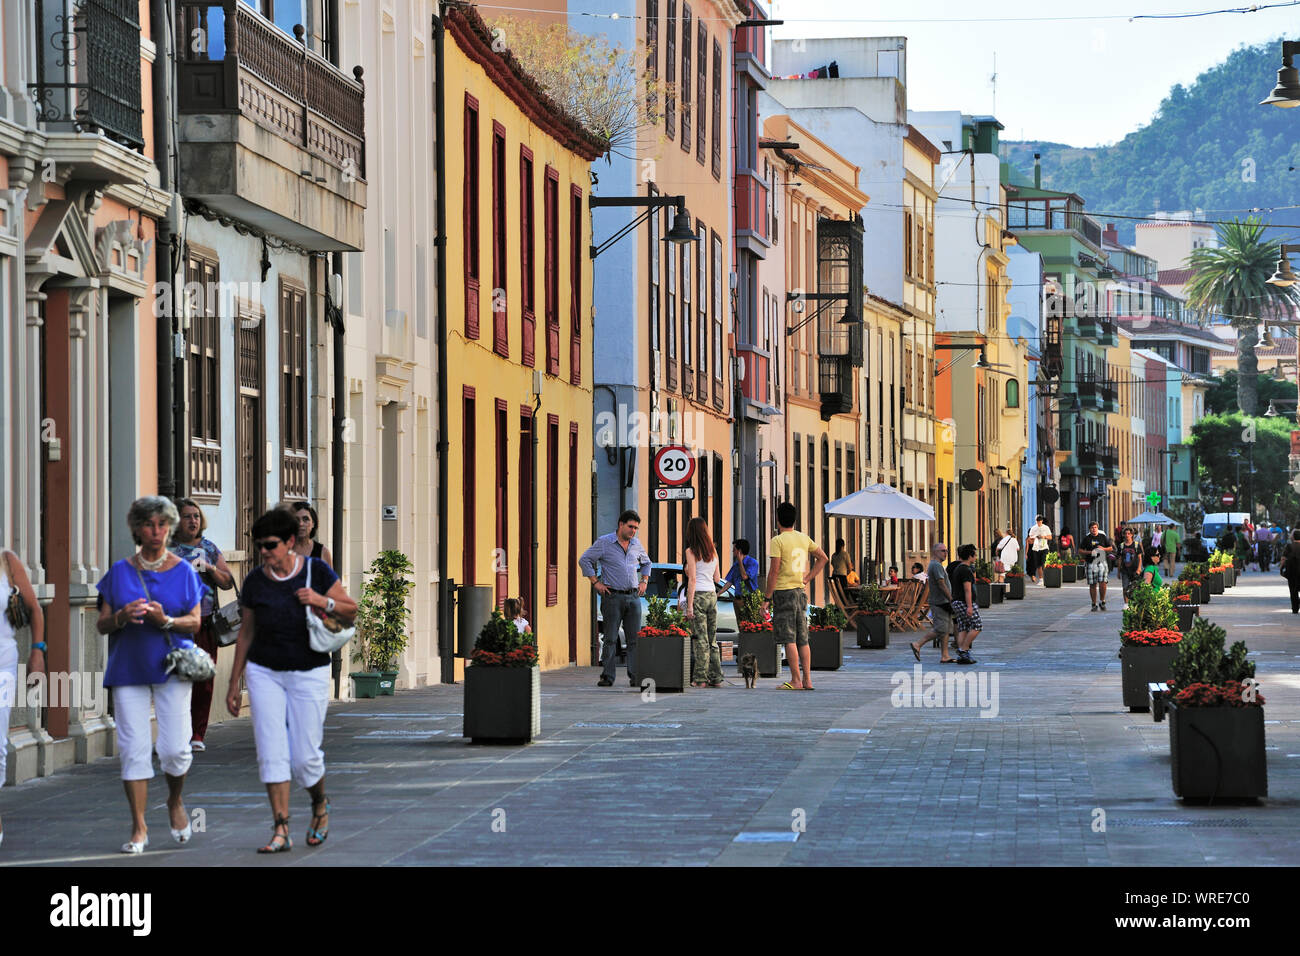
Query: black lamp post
{"x": 1287, "y": 92}
{"x": 680, "y": 233}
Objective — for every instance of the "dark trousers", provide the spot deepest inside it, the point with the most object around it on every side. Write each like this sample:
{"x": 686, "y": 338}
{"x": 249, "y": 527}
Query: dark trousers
{"x": 1293, "y": 585}
{"x": 201, "y": 694}
{"x": 616, "y": 610}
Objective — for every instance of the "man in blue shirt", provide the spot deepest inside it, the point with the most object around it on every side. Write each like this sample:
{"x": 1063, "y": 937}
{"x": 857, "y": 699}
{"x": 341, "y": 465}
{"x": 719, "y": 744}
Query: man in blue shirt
{"x": 620, "y": 580}
{"x": 743, "y": 575}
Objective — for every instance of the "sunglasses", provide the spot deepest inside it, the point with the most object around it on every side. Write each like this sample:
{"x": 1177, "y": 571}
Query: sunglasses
{"x": 268, "y": 545}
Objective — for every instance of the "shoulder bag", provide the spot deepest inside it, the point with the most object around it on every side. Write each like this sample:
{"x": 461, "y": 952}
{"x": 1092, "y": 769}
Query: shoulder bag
{"x": 226, "y": 620}
{"x": 999, "y": 566}
{"x": 190, "y": 663}
{"x": 326, "y": 634}
{"x": 16, "y": 611}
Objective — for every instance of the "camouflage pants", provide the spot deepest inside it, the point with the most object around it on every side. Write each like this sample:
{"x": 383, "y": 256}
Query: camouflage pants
{"x": 706, "y": 666}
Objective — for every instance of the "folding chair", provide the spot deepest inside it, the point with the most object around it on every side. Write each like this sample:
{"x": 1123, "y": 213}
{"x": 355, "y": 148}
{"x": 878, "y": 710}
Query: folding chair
{"x": 900, "y": 618}
{"x": 850, "y": 611}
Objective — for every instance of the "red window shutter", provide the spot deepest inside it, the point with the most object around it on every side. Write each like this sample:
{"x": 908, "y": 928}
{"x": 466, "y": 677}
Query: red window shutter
{"x": 552, "y": 227}
{"x": 575, "y": 286}
{"x": 471, "y": 214}
{"x": 500, "y": 334}
{"x": 552, "y": 509}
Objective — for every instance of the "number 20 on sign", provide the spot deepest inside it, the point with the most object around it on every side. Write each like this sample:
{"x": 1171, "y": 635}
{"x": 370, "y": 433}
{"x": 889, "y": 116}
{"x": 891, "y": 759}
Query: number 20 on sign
{"x": 674, "y": 465}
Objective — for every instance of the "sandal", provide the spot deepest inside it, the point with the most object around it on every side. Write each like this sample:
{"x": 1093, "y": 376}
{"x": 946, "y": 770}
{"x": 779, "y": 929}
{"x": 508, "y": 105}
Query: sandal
{"x": 697, "y": 683}
{"x": 788, "y": 686}
{"x": 280, "y": 842}
{"x": 315, "y": 835}
{"x": 915, "y": 652}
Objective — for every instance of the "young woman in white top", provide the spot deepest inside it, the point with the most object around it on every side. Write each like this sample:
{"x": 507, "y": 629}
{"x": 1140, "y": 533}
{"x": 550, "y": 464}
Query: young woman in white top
{"x": 515, "y": 614}
{"x": 1008, "y": 552}
{"x": 13, "y": 580}
{"x": 702, "y": 580}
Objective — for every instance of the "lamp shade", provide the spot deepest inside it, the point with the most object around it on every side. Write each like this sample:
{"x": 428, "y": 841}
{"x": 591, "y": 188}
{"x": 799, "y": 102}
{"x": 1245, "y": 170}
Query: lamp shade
{"x": 1283, "y": 276}
{"x": 681, "y": 232}
{"x": 1287, "y": 92}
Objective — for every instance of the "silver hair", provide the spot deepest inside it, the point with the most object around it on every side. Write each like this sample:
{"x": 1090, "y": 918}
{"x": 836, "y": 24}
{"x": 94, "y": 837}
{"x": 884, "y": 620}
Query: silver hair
{"x": 934, "y": 550}
{"x": 142, "y": 509}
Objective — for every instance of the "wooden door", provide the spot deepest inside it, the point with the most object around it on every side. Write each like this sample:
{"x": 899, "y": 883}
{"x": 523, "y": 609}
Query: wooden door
{"x": 249, "y": 436}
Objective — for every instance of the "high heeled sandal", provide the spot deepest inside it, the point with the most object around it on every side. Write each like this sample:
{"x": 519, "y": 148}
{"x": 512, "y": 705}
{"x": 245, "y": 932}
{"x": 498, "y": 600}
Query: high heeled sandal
{"x": 285, "y": 843}
{"x": 315, "y": 835}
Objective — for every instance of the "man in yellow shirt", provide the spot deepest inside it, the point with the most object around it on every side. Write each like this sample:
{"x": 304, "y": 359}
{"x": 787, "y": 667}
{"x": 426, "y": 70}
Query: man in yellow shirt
{"x": 786, "y": 582}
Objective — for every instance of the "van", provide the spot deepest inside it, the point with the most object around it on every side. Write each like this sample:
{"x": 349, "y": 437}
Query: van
{"x": 1217, "y": 522}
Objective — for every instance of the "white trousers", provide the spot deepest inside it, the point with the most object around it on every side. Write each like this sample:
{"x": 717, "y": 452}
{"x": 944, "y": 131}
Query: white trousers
{"x": 289, "y": 722}
{"x": 8, "y": 696}
{"x": 171, "y": 703}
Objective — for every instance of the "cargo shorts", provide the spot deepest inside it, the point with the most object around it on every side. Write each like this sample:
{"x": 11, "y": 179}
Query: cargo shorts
{"x": 790, "y": 616}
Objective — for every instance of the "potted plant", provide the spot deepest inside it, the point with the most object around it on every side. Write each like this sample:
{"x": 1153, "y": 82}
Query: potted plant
{"x": 825, "y": 625}
{"x": 1016, "y": 583}
{"x": 1148, "y": 642}
{"x": 382, "y": 617}
{"x": 1216, "y": 719}
{"x": 1053, "y": 570}
{"x": 873, "y": 617}
{"x": 1219, "y": 561}
{"x": 1197, "y": 574}
{"x": 983, "y": 581}
{"x": 503, "y": 685}
{"x": 756, "y": 637}
{"x": 663, "y": 650}
{"x": 1069, "y": 567}
{"x": 1183, "y": 594}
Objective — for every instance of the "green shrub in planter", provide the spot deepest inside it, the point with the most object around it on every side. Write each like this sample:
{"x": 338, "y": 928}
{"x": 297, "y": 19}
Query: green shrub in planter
{"x": 382, "y": 617}
{"x": 1015, "y": 583}
{"x": 502, "y": 685}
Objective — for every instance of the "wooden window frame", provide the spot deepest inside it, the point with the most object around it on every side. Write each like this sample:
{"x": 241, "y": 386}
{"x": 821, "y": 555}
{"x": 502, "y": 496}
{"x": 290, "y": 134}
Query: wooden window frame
{"x": 719, "y": 329}
{"x": 294, "y": 398}
{"x": 686, "y": 78}
{"x": 552, "y": 510}
{"x": 652, "y": 56}
{"x": 670, "y": 308}
{"x": 472, "y": 224}
{"x": 500, "y": 237}
{"x": 551, "y": 277}
{"x": 702, "y": 309}
{"x": 717, "y": 110}
{"x": 702, "y": 89}
{"x": 501, "y": 416}
{"x": 575, "y": 284}
{"x": 670, "y": 71}
{"x": 469, "y": 485}
{"x": 203, "y": 359}
{"x": 527, "y": 258}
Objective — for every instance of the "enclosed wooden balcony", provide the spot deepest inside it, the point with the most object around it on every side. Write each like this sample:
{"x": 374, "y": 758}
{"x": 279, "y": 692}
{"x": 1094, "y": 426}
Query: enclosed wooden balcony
{"x": 271, "y": 133}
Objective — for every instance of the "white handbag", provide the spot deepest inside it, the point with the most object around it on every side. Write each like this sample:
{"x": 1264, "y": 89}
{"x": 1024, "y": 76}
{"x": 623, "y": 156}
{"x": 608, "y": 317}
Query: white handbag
{"x": 326, "y": 633}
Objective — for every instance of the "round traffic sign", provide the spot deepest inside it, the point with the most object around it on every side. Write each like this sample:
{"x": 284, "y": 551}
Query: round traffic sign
{"x": 1229, "y": 499}
{"x": 1085, "y": 502}
{"x": 674, "y": 465}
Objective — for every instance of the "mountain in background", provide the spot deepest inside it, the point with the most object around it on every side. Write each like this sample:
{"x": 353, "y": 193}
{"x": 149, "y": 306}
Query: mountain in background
{"x": 1210, "y": 146}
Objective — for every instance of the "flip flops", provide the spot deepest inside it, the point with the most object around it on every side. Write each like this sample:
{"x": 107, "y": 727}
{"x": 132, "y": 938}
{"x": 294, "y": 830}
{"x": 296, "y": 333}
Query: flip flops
{"x": 788, "y": 686}
{"x": 915, "y": 653}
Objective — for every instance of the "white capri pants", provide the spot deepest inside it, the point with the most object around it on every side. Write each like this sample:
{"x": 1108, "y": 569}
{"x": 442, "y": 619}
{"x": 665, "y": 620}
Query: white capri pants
{"x": 171, "y": 703}
{"x": 8, "y": 696}
{"x": 289, "y": 722}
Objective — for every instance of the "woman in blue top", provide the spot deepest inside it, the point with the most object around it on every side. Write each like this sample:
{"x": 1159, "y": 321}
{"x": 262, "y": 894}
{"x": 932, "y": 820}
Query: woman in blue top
{"x": 143, "y": 600}
{"x": 288, "y": 682}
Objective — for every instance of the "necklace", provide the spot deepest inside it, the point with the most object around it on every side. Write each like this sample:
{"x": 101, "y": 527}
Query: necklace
{"x": 151, "y": 565}
{"x": 277, "y": 577}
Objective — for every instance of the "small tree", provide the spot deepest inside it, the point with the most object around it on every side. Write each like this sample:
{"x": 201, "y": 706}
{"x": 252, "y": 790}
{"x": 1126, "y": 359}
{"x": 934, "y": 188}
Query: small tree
{"x": 382, "y": 612}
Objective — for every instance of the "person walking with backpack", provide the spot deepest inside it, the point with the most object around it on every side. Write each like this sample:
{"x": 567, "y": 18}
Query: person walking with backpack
{"x": 1171, "y": 540}
{"x": 1129, "y": 563}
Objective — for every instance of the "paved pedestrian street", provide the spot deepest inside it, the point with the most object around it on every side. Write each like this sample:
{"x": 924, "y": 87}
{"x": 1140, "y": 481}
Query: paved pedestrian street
{"x": 735, "y": 777}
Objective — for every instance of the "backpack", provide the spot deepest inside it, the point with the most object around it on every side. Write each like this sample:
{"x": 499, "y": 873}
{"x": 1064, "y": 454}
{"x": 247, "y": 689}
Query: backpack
{"x": 1129, "y": 559}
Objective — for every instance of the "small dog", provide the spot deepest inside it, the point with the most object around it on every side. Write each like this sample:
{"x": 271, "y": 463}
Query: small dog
{"x": 749, "y": 670}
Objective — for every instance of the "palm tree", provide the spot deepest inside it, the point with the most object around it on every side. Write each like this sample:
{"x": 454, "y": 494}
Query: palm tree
{"x": 1232, "y": 281}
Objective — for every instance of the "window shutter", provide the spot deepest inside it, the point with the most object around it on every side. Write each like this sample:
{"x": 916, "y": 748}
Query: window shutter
{"x": 551, "y": 212}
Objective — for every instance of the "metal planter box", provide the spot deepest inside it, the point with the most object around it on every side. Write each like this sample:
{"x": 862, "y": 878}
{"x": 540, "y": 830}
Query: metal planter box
{"x": 762, "y": 644}
{"x": 1217, "y": 752}
{"x": 1187, "y": 615}
{"x": 998, "y": 592}
{"x": 1142, "y": 666}
{"x": 1052, "y": 577}
{"x": 827, "y": 650}
{"x": 1216, "y": 582}
{"x": 983, "y": 594}
{"x": 502, "y": 704}
{"x": 665, "y": 660}
{"x": 1015, "y": 588}
{"x": 1204, "y": 588}
{"x": 873, "y": 630}
{"x": 1069, "y": 573}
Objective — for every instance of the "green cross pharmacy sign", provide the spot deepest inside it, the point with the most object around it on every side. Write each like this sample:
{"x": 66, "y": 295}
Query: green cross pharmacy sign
{"x": 1153, "y": 499}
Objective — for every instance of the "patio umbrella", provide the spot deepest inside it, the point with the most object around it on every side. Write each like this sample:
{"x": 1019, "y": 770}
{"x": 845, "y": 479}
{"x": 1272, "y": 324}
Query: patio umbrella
{"x": 880, "y": 501}
{"x": 1151, "y": 517}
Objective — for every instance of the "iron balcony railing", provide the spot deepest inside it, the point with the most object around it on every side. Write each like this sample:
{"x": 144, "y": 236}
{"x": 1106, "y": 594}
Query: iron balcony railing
{"x": 88, "y": 67}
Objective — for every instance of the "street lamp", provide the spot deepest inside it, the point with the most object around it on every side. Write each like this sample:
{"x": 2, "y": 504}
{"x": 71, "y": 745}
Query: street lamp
{"x": 1284, "y": 277}
{"x": 1236, "y": 455}
{"x": 680, "y": 233}
{"x": 1287, "y": 92}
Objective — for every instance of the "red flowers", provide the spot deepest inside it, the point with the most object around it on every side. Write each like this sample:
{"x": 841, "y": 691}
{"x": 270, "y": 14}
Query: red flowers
{"x": 750, "y": 626}
{"x": 1156, "y": 638}
{"x": 822, "y": 627}
{"x": 1229, "y": 694}
{"x": 525, "y": 656}
{"x": 664, "y": 632}
{"x": 1182, "y": 599}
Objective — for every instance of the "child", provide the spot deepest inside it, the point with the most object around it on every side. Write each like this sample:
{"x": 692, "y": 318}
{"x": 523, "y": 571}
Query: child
{"x": 893, "y": 574}
{"x": 514, "y": 612}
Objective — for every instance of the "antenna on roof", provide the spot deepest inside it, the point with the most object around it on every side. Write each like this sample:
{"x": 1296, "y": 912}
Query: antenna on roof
{"x": 994, "y": 80}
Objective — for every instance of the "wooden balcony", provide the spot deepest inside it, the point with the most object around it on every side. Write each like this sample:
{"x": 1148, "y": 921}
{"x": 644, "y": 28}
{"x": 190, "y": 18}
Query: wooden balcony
{"x": 750, "y": 196}
{"x": 754, "y": 383}
{"x": 270, "y": 133}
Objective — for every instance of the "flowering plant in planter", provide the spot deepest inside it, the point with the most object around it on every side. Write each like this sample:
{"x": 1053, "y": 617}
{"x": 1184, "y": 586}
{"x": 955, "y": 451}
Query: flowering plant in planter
{"x": 983, "y": 571}
{"x": 1204, "y": 676}
{"x": 828, "y": 618}
{"x": 750, "y": 613}
{"x": 1220, "y": 560}
{"x": 1193, "y": 571}
{"x": 1149, "y": 609}
{"x": 1156, "y": 638}
{"x": 500, "y": 644}
{"x": 661, "y": 620}
{"x": 1053, "y": 560}
{"x": 1016, "y": 571}
{"x": 871, "y": 600}
{"x": 1183, "y": 592}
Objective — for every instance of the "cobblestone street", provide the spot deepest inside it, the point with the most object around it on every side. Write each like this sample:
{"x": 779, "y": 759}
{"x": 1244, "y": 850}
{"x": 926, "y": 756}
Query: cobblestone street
{"x": 720, "y": 776}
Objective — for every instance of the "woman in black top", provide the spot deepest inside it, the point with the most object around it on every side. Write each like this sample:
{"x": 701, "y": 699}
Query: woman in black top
{"x": 288, "y": 682}
{"x": 1290, "y": 569}
{"x": 305, "y": 542}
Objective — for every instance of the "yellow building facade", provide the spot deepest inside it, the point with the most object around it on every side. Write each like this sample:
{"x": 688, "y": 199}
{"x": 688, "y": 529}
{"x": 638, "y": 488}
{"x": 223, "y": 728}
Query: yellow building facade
{"x": 519, "y": 341}
{"x": 1007, "y": 379}
{"x": 1119, "y": 357}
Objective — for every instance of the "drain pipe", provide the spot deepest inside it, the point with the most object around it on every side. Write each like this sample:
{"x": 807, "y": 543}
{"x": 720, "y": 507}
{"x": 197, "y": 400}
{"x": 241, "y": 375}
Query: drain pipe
{"x": 446, "y": 644}
{"x": 164, "y": 255}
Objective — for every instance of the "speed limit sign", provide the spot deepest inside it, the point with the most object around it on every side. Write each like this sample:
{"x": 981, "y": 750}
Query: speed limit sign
{"x": 674, "y": 465}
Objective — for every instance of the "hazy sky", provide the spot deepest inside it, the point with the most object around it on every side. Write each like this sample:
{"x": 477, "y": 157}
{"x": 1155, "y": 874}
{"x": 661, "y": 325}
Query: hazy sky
{"x": 1084, "y": 82}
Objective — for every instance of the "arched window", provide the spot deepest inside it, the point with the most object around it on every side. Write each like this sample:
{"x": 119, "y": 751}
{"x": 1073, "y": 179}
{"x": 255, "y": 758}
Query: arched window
{"x": 1013, "y": 393}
